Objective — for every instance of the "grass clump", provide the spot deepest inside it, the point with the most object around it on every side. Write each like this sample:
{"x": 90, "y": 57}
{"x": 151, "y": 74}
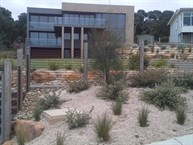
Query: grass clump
{"x": 60, "y": 139}
{"x": 159, "y": 63}
{"x": 76, "y": 119}
{"x": 78, "y": 86}
{"x": 102, "y": 127}
{"x": 53, "y": 65}
{"x": 181, "y": 115}
{"x": 37, "y": 113}
{"x": 117, "y": 107}
{"x": 164, "y": 95}
{"x": 149, "y": 78}
{"x": 20, "y": 135}
{"x": 143, "y": 117}
{"x": 134, "y": 61}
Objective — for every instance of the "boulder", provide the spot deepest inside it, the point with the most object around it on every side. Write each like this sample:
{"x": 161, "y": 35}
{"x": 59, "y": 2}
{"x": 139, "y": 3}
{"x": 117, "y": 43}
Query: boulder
{"x": 43, "y": 75}
{"x": 30, "y": 128}
{"x": 70, "y": 75}
{"x": 8, "y": 143}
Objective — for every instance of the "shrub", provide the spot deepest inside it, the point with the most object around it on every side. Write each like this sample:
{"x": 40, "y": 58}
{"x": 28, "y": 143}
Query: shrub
{"x": 181, "y": 115}
{"x": 68, "y": 67}
{"x": 113, "y": 91}
{"x": 53, "y": 65}
{"x": 76, "y": 118}
{"x": 159, "y": 63}
{"x": 60, "y": 139}
{"x": 37, "y": 113}
{"x": 102, "y": 127}
{"x": 20, "y": 135}
{"x": 117, "y": 107}
{"x": 164, "y": 95}
{"x": 134, "y": 61}
{"x": 143, "y": 117}
{"x": 149, "y": 78}
{"x": 78, "y": 86}
{"x": 49, "y": 101}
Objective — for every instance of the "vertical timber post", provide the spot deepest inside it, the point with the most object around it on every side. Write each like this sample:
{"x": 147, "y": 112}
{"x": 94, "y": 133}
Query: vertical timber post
{"x": 7, "y": 100}
{"x": 19, "y": 78}
{"x": 141, "y": 53}
{"x": 85, "y": 61}
{"x": 28, "y": 67}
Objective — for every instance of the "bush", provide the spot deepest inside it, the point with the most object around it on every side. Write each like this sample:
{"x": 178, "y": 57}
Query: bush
{"x": 49, "y": 101}
{"x": 159, "y": 63}
{"x": 76, "y": 118}
{"x": 134, "y": 61}
{"x": 60, "y": 139}
{"x": 102, "y": 127}
{"x": 149, "y": 78}
{"x": 78, "y": 86}
{"x": 143, "y": 117}
{"x": 68, "y": 67}
{"x": 117, "y": 107}
{"x": 181, "y": 115}
{"x": 164, "y": 95}
{"x": 113, "y": 91}
{"x": 37, "y": 113}
{"x": 53, "y": 65}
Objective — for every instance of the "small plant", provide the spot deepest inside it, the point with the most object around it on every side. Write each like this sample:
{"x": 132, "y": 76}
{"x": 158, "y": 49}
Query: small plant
{"x": 117, "y": 107}
{"x": 172, "y": 66}
{"x": 78, "y": 86}
{"x": 37, "y": 113}
{"x": 102, "y": 127}
{"x": 134, "y": 62}
{"x": 60, "y": 139}
{"x": 53, "y": 65}
{"x": 143, "y": 117}
{"x": 20, "y": 135}
{"x": 181, "y": 115}
{"x": 159, "y": 63}
{"x": 49, "y": 101}
{"x": 76, "y": 118}
{"x": 68, "y": 67}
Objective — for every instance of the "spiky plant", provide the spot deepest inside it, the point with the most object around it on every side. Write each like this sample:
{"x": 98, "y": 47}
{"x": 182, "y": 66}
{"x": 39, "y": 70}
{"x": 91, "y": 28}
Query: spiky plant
{"x": 181, "y": 115}
{"x": 143, "y": 117}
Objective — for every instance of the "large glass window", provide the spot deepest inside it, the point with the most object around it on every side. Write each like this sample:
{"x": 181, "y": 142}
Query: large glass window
{"x": 76, "y": 36}
{"x": 121, "y": 21}
{"x": 43, "y": 18}
{"x": 34, "y": 18}
{"x": 33, "y": 34}
{"x": 67, "y": 36}
{"x": 187, "y": 17}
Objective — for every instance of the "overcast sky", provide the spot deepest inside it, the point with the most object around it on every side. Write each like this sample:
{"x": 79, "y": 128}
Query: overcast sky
{"x": 20, "y": 6}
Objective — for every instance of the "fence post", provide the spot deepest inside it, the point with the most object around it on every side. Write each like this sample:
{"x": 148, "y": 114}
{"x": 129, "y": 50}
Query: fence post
{"x": 7, "y": 100}
{"x": 19, "y": 79}
{"x": 85, "y": 61}
{"x": 27, "y": 69}
{"x": 141, "y": 53}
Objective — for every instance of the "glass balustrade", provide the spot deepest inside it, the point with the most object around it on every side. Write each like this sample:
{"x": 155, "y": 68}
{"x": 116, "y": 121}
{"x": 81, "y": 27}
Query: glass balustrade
{"x": 45, "y": 42}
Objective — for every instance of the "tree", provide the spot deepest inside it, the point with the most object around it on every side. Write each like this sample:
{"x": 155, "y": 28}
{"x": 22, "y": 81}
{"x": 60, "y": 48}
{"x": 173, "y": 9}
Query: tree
{"x": 104, "y": 48}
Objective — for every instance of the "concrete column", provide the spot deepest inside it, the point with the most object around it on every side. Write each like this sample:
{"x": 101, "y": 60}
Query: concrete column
{"x": 72, "y": 42}
{"x": 81, "y": 42}
{"x": 62, "y": 49}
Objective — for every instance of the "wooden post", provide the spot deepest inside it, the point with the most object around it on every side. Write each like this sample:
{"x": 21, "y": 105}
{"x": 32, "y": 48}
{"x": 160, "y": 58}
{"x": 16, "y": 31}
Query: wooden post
{"x": 141, "y": 53}
{"x": 28, "y": 67}
{"x": 7, "y": 100}
{"x": 85, "y": 61}
{"x": 19, "y": 78}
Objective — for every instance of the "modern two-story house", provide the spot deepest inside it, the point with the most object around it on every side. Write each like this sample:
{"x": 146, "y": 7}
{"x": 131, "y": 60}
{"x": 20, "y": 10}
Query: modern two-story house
{"x": 181, "y": 26}
{"x": 60, "y": 33}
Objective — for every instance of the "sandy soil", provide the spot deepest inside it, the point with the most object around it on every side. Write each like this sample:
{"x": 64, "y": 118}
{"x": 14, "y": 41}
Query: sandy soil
{"x": 126, "y": 130}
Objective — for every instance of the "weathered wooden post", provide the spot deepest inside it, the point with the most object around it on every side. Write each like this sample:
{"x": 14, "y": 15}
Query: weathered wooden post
{"x": 19, "y": 78}
{"x": 7, "y": 100}
{"x": 141, "y": 53}
{"x": 85, "y": 61}
{"x": 28, "y": 69}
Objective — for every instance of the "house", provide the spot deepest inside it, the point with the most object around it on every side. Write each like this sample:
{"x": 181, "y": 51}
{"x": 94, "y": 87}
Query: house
{"x": 181, "y": 26}
{"x": 60, "y": 33}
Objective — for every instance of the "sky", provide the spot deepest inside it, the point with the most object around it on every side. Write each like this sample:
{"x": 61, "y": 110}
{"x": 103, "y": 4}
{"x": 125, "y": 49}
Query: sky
{"x": 19, "y": 6}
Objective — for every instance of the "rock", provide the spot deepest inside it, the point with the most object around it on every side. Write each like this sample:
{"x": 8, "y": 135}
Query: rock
{"x": 43, "y": 75}
{"x": 8, "y": 143}
{"x": 30, "y": 128}
{"x": 70, "y": 75}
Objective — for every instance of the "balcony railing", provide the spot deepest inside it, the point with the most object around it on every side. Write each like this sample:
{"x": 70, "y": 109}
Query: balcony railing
{"x": 45, "y": 42}
{"x": 68, "y": 21}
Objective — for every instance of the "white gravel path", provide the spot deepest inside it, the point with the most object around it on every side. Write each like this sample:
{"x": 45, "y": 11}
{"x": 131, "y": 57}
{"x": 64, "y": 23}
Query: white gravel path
{"x": 126, "y": 130}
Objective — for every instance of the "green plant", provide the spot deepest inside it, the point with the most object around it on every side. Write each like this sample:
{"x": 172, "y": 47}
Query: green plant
{"x": 68, "y": 67}
{"x": 117, "y": 107}
{"x": 60, "y": 139}
{"x": 159, "y": 63}
{"x": 172, "y": 66}
{"x": 37, "y": 113}
{"x": 76, "y": 118}
{"x": 134, "y": 62}
{"x": 49, "y": 101}
{"x": 149, "y": 78}
{"x": 53, "y": 65}
{"x": 102, "y": 127}
{"x": 181, "y": 115}
{"x": 20, "y": 135}
{"x": 164, "y": 95}
{"x": 78, "y": 86}
{"x": 143, "y": 117}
